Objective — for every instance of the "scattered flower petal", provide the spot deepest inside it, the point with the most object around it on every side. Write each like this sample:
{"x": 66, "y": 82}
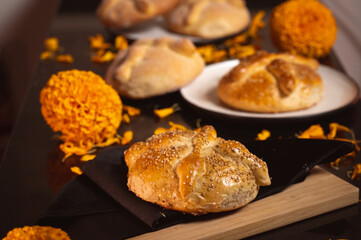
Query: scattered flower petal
{"x": 263, "y": 135}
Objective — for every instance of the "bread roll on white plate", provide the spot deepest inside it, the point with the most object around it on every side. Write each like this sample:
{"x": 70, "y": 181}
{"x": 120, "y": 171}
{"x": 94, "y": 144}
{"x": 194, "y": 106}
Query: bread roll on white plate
{"x": 272, "y": 83}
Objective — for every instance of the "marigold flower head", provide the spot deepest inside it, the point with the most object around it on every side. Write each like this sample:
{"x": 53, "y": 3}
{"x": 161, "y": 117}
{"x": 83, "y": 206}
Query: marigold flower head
{"x": 304, "y": 27}
{"x": 81, "y": 106}
{"x": 36, "y": 232}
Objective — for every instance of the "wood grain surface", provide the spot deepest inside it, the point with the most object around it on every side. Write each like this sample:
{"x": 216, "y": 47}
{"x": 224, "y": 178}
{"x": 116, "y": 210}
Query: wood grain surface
{"x": 320, "y": 193}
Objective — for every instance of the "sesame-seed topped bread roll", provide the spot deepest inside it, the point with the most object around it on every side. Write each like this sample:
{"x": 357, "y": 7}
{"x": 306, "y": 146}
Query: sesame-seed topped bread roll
{"x": 209, "y": 18}
{"x": 271, "y": 83}
{"x": 194, "y": 171}
{"x": 120, "y": 14}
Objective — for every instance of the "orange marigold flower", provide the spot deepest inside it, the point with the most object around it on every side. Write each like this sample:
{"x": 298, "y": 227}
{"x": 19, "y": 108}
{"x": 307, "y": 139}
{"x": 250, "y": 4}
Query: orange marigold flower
{"x": 81, "y": 106}
{"x": 239, "y": 39}
{"x": 64, "y": 58}
{"x": 241, "y": 51}
{"x": 132, "y": 111}
{"x": 98, "y": 42}
{"x": 263, "y": 135}
{"x": 76, "y": 170}
{"x": 87, "y": 157}
{"x": 127, "y": 137}
{"x": 126, "y": 118}
{"x": 356, "y": 170}
{"x": 46, "y": 55}
{"x": 102, "y": 56}
{"x": 305, "y": 27}
{"x": 334, "y": 128}
{"x": 257, "y": 24}
{"x": 211, "y": 54}
{"x": 51, "y": 44}
{"x": 120, "y": 43}
{"x": 164, "y": 112}
{"x": 36, "y": 232}
{"x": 315, "y": 131}
{"x": 173, "y": 126}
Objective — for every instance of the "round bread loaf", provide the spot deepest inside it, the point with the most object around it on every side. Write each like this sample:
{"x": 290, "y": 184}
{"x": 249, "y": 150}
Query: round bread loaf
{"x": 209, "y": 18}
{"x": 152, "y": 67}
{"x": 194, "y": 171}
{"x": 120, "y": 14}
{"x": 271, "y": 83}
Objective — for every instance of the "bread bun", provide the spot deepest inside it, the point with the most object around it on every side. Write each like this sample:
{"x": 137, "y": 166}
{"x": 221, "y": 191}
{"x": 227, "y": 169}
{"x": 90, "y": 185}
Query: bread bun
{"x": 209, "y": 18}
{"x": 120, "y": 14}
{"x": 152, "y": 67}
{"x": 270, "y": 83}
{"x": 194, "y": 172}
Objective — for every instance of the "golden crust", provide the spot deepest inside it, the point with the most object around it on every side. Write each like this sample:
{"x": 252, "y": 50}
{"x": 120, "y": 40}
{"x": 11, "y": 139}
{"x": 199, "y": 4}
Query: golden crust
{"x": 152, "y": 67}
{"x": 119, "y": 14}
{"x": 209, "y": 18}
{"x": 269, "y": 83}
{"x": 194, "y": 172}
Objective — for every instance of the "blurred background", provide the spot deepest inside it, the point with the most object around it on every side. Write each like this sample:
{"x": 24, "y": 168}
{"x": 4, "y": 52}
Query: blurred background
{"x": 24, "y": 25}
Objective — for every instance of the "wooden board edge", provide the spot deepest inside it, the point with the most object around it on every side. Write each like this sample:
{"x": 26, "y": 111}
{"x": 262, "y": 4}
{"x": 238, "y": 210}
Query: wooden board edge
{"x": 262, "y": 216}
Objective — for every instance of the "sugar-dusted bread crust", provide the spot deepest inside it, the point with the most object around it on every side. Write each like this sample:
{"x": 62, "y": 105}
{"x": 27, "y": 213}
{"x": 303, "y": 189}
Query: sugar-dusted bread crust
{"x": 120, "y": 14}
{"x": 209, "y": 18}
{"x": 194, "y": 172}
{"x": 152, "y": 67}
{"x": 270, "y": 83}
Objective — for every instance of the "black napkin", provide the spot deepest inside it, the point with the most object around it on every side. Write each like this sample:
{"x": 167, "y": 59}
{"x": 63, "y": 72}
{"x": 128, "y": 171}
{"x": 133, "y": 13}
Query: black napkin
{"x": 98, "y": 204}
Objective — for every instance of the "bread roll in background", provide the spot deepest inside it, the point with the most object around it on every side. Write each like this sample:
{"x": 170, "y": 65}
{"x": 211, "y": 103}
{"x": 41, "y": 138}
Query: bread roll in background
{"x": 194, "y": 171}
{"x": 209, "y": 18}
{"x": 271, "y": 83}
{"x": 152, "y": 67}
{"x": 120, "y": 14}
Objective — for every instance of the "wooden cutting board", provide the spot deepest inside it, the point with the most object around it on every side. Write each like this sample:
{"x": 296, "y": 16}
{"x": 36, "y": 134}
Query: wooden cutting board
{"x": 320, "y": 193}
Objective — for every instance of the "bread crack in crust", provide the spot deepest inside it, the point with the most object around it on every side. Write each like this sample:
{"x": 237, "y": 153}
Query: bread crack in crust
{"x": 270, "y": 83}
{"x": 194, "y": 172}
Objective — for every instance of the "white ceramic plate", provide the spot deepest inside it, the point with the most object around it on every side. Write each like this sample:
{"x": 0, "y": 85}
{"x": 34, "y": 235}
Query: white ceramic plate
{"x": 340, "y": 92}
{"x": 156, "y": 28}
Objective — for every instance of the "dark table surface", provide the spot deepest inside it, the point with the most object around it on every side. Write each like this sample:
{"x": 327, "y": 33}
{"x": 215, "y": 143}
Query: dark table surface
{"x": 31, "y": 172}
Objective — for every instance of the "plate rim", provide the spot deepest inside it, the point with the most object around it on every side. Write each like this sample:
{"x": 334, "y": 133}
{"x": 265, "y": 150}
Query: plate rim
{"x": 274, "y": 116}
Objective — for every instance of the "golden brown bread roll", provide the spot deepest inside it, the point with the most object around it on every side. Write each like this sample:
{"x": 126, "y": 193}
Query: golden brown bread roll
{"x": 194, "y": 172}
{"x": 152, "y": 67}
{"x": 270, "y": 83}
{"x": 209, "y": 18}
{"x": 119, "y": 14}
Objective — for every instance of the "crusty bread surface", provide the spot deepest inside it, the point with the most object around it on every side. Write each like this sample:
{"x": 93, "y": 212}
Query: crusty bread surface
{"x": 271, "y": 83}
{"x": 152, "y": 67}
{"x": 120, "y": 14}
{"x": 209, "y": 18}
{"x": 194, "y": 171}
